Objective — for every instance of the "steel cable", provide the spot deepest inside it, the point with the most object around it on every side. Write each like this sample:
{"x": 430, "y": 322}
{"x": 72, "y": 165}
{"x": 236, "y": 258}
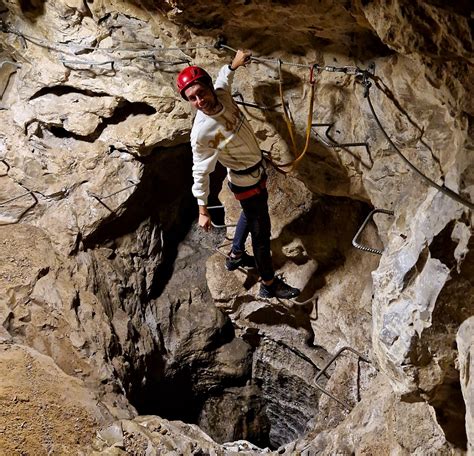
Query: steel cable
{"x": 72, "y": 48}
{"x": 348, "y": 70}
{"x": 448, "y": 192}
{"x": 219, "y": 45}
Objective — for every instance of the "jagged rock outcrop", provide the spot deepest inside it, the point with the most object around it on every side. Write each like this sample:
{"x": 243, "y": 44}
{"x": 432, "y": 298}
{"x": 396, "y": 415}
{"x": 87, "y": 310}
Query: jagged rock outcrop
{"x": 103, "y": 270}
{"x": 154, "y": 436}
{"x": 465, "y": 344}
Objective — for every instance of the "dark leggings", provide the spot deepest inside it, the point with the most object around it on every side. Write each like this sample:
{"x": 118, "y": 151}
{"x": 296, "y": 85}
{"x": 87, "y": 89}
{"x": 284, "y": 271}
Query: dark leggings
{"x": 255, "y": 220}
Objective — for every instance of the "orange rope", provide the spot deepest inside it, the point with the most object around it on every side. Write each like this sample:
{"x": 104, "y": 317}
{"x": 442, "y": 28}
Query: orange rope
{"x": 298, "y": 156}
{"x": 289, "y": 123}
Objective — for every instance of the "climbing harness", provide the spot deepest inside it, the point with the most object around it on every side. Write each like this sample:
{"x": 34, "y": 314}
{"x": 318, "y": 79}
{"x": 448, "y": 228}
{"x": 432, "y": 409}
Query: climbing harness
{"x": 315, "y": 68}
{"x": 249, "y": 170}
{"x": 365, "y": 75}
{"x": 246, "y": 194}
{"x": 355, "y": 240}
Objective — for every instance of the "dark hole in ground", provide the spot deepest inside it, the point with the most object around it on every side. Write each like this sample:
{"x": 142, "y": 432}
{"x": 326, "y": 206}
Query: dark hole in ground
{"x": 160, "y": 383}
{"x": 169, "y": 387}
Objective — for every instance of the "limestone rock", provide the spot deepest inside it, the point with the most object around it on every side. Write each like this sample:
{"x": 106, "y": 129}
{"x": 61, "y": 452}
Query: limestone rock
{"x": 465, "y": 341}
{"x": 75, "y": 112}
{"x": 104, "y": 271}
{"x": 350, "y": 296}
{"x": 411, "y": 284}
{"x": 153, "y": 435}
{"x": 365, "y": 428}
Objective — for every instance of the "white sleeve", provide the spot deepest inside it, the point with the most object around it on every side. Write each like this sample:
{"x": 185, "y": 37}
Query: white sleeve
{"x": 204, "y": 163}
{"x": 225, "y": 78}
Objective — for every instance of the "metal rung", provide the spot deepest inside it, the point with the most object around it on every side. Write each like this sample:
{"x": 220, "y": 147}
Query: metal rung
{"x": 7, "y": 166}
{"x": 365, "y": 248}
{"x": 28, "y": 193}
{"x": 253, "y": 105}
{"x": 100, "y": 198}
{"x": 220, "y": 226}
{"x": 35, "y": 202}
{"x": 329, "y": 141}
{"x": 323, "y": 370}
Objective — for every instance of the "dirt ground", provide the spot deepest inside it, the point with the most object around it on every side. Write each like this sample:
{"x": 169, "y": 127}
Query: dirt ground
{"x": 42, "y": 410}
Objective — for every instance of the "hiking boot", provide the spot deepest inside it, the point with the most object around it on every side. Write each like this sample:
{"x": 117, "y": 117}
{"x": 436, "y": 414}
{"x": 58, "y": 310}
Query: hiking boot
{"x": 243, "y": 261}
{"x": 278, "y": 289}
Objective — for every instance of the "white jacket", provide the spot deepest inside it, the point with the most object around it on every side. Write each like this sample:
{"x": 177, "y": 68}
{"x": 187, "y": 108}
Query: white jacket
{"x": 226, "y": 136}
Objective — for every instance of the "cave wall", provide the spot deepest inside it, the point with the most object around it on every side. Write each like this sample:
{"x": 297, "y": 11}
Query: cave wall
{"x": 104, "y": 271}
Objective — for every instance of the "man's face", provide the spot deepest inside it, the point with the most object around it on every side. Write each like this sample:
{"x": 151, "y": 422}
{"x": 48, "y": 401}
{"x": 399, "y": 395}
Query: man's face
{"x": 202, "y": 97}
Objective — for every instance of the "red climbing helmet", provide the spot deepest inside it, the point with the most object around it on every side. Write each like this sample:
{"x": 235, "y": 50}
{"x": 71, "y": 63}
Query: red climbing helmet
{"x": 189, "y": 76}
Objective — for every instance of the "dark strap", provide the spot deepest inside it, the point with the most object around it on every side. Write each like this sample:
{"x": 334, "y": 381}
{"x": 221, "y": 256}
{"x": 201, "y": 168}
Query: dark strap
{"x": 250, "y": 170}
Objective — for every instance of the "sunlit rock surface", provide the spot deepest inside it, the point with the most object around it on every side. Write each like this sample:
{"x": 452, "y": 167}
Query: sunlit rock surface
{"x": 104, "y": 271}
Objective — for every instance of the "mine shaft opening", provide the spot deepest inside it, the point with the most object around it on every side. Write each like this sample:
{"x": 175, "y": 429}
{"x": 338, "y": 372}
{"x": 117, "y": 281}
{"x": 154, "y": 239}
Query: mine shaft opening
{"x": 260, "y": 404}
{"x": 172, "y": 388}
{"x": 249, "y": 406}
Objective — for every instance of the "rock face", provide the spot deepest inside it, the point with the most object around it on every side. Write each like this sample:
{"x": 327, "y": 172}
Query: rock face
{"x": 366, "y": 429}
{"x": 105, "y": 277}
{"x": 465, "y": 345}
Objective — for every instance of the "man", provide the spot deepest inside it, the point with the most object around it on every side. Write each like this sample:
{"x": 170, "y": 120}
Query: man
{"x": 222, "y": 133}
